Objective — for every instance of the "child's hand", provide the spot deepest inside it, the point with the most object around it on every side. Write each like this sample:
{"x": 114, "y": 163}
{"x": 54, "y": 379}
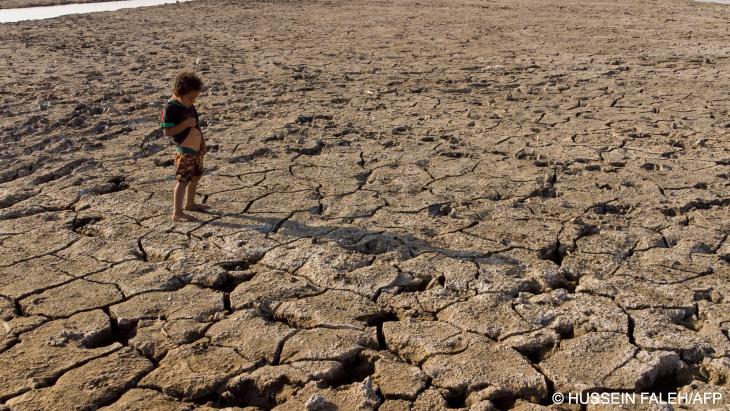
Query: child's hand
{"x": 190, "y": 122}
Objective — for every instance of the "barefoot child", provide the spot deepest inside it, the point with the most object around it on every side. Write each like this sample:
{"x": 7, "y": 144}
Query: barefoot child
{"x": 180, "y": 122}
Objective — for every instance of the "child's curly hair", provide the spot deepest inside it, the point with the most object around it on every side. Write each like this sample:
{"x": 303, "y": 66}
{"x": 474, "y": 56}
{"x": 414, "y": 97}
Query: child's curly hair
{"x": 186, "y": 82}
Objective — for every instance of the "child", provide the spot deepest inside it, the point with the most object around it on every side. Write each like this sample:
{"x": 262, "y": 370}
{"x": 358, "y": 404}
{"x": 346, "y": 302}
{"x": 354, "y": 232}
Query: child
{"x": 180, "y": 122}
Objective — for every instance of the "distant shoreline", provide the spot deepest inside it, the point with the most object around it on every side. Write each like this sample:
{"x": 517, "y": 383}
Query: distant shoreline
{"x": 14, "y": 15}
{"x": 13, "y": 4}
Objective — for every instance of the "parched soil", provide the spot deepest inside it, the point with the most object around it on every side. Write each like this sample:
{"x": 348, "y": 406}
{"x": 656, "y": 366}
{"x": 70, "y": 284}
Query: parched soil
{"x": 414, "y": 205}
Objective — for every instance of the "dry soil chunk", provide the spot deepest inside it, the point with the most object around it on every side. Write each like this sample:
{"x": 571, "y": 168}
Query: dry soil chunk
{"x": 395, "y": 405}
{"x": 655, "y": 330}
{"x": 356, "y": 396}
{"x": 190, "y": 302}
{"x": 42, "y": 239}
{"x": 399, "y": 380}
{"x": 327, "y": 344}
{"x": 594, "y": 313}
{"x": 252, "y": 336}
{"x": 486, "y": 364}
{"x": 604, "y": 360}
{"x": 505, "y": 274}
{"x": 51, "y": 349}
{"x": 638, "y": 294}
{"x": 270, "y": 286}
{"x": 416, "y": 341}
{"x": 716, "y": 327}
{"x": 643, "y": 370}
{"x": 159, "y": 245}
{"x": 94, "y": 384}
{"x": 109, "y": 251}
{"x": 668, "y": 265}
{"x": 79, "y": 295}
{"x": 456, "y": 274}
{"x": 584, "y": 362}
{"x": 27, "y": 277}
{"x": 332, "y": 308}
{"x": 368, "y": 281}
{"x": 431, "y": 400}
{"x": 195, "y": 370}
{"x": 138, "y": 399}
{"x": 270, "y": 385}
{"x": 534, "y": 234}
{"x": 353, "y": 205}
{"x": 576, "y": 313}
{"x": 326, "y": 262}
{"x": 154, "y": 338}
{"x": 487, "y": 314}
{"x": 11, "y": 327}
{"x": 7, "y": 308}
{"x": 137, "y": 277}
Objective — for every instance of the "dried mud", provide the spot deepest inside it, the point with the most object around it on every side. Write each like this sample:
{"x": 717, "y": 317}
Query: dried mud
{"x": 415, "y": 205}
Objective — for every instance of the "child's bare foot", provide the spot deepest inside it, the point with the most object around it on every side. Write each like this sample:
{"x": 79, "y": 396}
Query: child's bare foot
{"x": 197, "y": 207}
{"x": 183, "y": 217}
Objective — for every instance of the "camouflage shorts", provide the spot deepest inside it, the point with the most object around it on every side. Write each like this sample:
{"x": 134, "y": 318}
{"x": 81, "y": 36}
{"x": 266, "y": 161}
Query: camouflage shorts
{"x": 188, "y": 166}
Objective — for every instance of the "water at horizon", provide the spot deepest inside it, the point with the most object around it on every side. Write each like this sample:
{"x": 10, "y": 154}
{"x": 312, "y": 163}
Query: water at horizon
{"x": 47, "y": 12}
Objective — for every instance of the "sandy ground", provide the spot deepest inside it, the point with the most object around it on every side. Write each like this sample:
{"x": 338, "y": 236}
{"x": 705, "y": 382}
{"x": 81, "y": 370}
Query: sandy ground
{"x": 416, "y": 205}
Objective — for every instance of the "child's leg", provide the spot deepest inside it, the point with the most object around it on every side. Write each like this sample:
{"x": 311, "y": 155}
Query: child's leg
{"x": 177, "y": 202}
{"x": 193, "y": 187}
{"x": 190, "y": 197}
{"x": 183, "y": 176}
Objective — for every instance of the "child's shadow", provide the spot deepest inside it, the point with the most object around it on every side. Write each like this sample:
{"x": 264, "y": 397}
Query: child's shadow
{"x": 349, "y": 237}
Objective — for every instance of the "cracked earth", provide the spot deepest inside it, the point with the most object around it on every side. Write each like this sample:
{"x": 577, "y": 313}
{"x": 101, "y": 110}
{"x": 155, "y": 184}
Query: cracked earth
{"x": 431, "y": 205}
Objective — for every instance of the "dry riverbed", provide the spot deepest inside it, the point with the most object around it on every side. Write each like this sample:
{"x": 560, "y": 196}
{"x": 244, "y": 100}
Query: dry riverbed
{"x": 416, "y": 205}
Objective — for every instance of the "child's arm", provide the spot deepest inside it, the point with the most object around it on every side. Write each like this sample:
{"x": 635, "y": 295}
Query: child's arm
{"x": 203, "y": 146}
{"x": 171, "y": 131}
